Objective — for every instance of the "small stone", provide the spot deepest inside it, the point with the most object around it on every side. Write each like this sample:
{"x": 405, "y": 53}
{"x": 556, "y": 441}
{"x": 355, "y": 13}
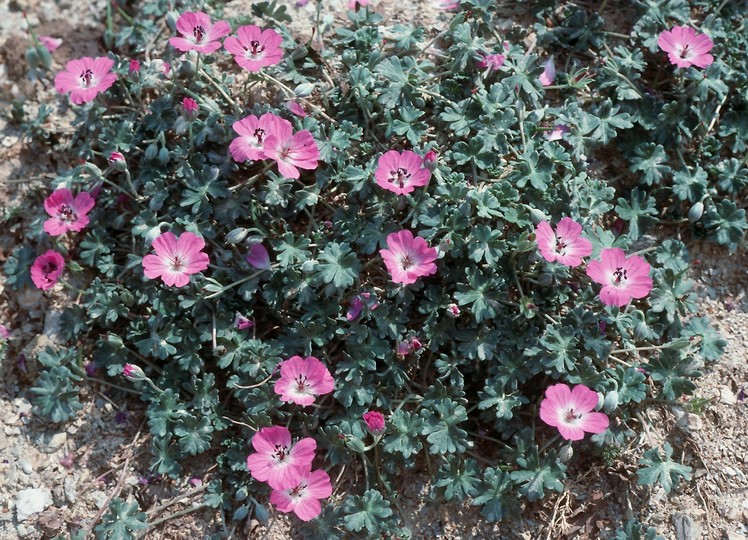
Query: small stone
{"x": 727, "y": 396}
{"x": 22, "y": 530}
{"x": 734, "y": 536}
{"x": 694, "y": 422}
{"x": 99, "y": 498}
{"x": 71, "y": 493}
{"x": 685, "y": 527}
{"x": 31, "y": 501}
{"x": 54, "y": 442}
{"x": 23, "y": 405}
{"x": 12, "y": 430}
{"x": 25, "y": 466}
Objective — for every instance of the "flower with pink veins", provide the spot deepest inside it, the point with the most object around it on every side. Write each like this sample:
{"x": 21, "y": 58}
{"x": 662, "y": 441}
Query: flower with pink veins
{"x": 277, "y": 461}
{"x": 255, "y": 48}
{"x": 685, "y": 47}
{"x": 68, "y": 213}
{"x": 565, "y": 246}
{"x": 358, "y": 303}
{"x": 259, "y": 257}
{"x": 303, "y": 499}
{"x": 491, "y": 61}
{"x": 549, "y": 72}
{"x": 291, "y": 152}
{"x": 50, "y": 43}
{"x": 198, "y": 33}
{"x": 570, "y": 410}
{"x": 302, "y": 380}
{"x": 47, "y": 269}
{"x": 622, "y": 278}
{"x": 296, "y": 108}
{"x": 252, "y": 133}
{"x": 85, "y": 77}
{"x": 176, "y": 258}
{"x": 408, "y": 258}
{"x": 402, "y": 172}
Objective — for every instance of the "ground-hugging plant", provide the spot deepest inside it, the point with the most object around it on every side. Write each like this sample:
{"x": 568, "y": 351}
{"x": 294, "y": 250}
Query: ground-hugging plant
{"x": 388, "y": 250}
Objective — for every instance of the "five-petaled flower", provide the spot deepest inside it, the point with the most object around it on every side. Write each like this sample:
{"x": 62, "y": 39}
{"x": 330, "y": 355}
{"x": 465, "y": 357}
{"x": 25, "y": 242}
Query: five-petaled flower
{"x": 68, "y": 213}
{"x": 685, "y": 47}
{"x": 255, "y": 48}
{"x": 291, "y": 152}
{"x": 565, "y": 246}
{"x": 303, "y": 498}
{"x": 277, "y": 461}
{"x": 47, "y": 269}
{"x": 252, "y": 133}
{"x": 491, "y": 62}
{"x": 408, "y": 258}
{"x": 303, "y": 379}
{"x": 176, "y": 258}
{"x": 570, "y": 410}
{"x": 622, "y": 278}
{"x": 402, "y": 172}
{"x": 85, "y": 77}
{"x": 198, "y": 33}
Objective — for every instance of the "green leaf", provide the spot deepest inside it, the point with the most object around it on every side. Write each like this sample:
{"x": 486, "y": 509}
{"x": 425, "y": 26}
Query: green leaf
{"x": 538, "y": 475}
{"x": 442, "y": 430}
{"x": 194, "y": 436}
{"x": 495, "y": 494}
{"x": 712, "y": 344}
{"x": 403, "y": 437}
{"x": 338, "y": 265}
{"x": 366, "y": 512}
{"x": 661, "y": 469}
{"x": 54, "y": 394}
{"x": 121, "y": 521}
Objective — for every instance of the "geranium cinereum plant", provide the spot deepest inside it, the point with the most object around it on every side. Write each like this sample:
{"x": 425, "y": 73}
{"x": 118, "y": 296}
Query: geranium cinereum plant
{"x": 408, "y": 258}
{"x": 571, "y": 411}
{"x": 277, "y": 460}
{"x": 198, "y": 33}
{"x": 176, "y": 258}
{"x": 47, "y": 269}
{"x": 68, "y": 213}
{"x": 685, "y": 47}
{"x": 255, "y": 48}
{"x": 303, "y": 498}
{"x": 85, "y": 77}
{"x": 623, "y": 278}
{"x": 565, "y": 245}
{"x": 374, "y": 421}
{"x": 252, "y": 133}
{"x": 291, "y": 151}
{"x": 549, "y": 72}
{"x": 302, "y": 380}
{"x": 401, "y": 172}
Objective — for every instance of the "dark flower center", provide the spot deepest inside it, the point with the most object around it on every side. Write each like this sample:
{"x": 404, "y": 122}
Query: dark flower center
{"x": 301, "y": 383}
{"x": 67, "y": 213}
{"x": 177, "y": 264}
{"x": 684, "y": 52}
{"x": 560, "y": 245}
{"x": 400, "y": 176}
{"x": 280, "y": 452}
{"x": 87, "y": 77}
{"x": 407, "y": 261}
{"x": 620, "y": 274}
{"x": 199, "y": 33}
{"x": 570, "y": 415}
{"x": 49, "y": 267}
{"x": 259, "y": 135}
{"x": 296, "y": 492}
{"x": 255, "y": 48}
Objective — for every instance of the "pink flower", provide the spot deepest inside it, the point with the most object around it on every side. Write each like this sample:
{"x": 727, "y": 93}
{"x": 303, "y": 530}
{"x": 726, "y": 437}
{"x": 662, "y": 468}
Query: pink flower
{"x": 243, "y": 323}
{"x": 453, "y": 310}
{"x": 134, "y": 66}
{"x": 558, "y": 132}
{"x": 255, "y": 48}
{"x": 68, "y": 214}
{"x": 571, "y": 411}
{"x": 258, "y": 257}
{"x": 176, "y": 258}
{"x": 47, "y": 269}
{"x": 491, "y": 61}
{"x": 117, "y": 161}
{"x": 408, "y": 258}
{"x": 565, "y": 246}
{"x": 622, "y": 278}
{"x": 358, "y": 303}
{"x": 252, "y": 133}
{"x": 374, "y": 421}
{"x": 4, "y": 332}
{"x": 407, "y": 346}
{"x": 278, "y": 462}
{"x": 685, "y": 47}
{"x": 445, "y": 5}
{"x": 85, "y": 77}
{"x": 354, "y": 4}
{"x": 549, "y": 72}
{"x": 50, "y": 43}
{"x": 291, "y": 152}
{"x": 303, "y": 379}
{"x": 199, "y": 33}
{"x": 190, "y": 107}
{"x": 133, "y": 373}
{"x": 296, "y": 109}
{"x": 303, "y": 499}
{"x": 401, "y": 173}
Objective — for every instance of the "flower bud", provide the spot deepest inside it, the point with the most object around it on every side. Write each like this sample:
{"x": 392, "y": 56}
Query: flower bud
{"x": 374, "y": 422}
{"x": 696, "y": 211}
{"x": 537, "y": 216}
{"x": 304, "y": 90}
{"x": 258, "y": 257}
{"x": 190, "y": 108}
{"x": 134, "y": 66}
{"x": 236, "y": 235}
{"x": 453, "y": 310}
{"x": 117, "y": 161}
{"x": 611, "y": 401}
{"x": 133, "y": 373}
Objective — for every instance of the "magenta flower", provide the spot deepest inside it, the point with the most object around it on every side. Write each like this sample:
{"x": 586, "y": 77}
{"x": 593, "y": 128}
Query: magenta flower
{"x": 302, "y": 380}
{"x": 133, "y": 373}
{"x": 291, "y": 152}
{"x": 255, "y": 48}
{"x": 134, "y": 66}
{"x": 176, "y": 258}
{"x": 453, "y": 310}
{"x": 278, "y": 462}
{"x": 303, "y": 499}
{"x": 258, "y": 257}
{"x": 353, "y": 5}
{"x": 296, "y": 109}
{"x": 50, "y": 43}
{"x": 85, "y": 77}
{"x": 445, "y": 5}
{"x": 549, "y": 72}
{"x": 358, "y": 303}
{"x": 199, "y": 34}
{"x": 565, "y": 246}
{"x": 571, "y": 411}
{"x": 408, "y": 258}
{"x": 243, "y": 323}
{"x": 685, "y": 47}
{"x": 68, "y": 213}
{"x": 190, "y": 107}
{"x": 491, "y": 61}
{"x": 374, "y": 421}
{"x": 401, "y": 173}
{"x": 252, "y": 133}
{"x": 47, "y": 269}
{"x": 622, "y": 278}
{"x": 4, "y": 332}
{"x": 558, "y": 132}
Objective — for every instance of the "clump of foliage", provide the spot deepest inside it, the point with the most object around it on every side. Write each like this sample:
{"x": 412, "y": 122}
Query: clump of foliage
{"x": 457, "y": 360}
